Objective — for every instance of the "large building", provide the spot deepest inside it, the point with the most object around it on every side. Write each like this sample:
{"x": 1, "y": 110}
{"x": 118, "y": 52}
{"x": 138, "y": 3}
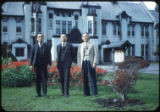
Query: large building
{"x": 124, "y": 25}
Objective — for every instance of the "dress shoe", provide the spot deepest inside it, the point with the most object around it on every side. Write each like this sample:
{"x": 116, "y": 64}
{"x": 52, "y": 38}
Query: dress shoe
{"x": 87, "y": 95}
{"x": 46, "y": 96}
{"x": 38, "y": 96}
{"x": 67, "y": 95}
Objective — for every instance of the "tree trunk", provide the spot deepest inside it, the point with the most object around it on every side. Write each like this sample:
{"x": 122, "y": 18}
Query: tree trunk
{"x": 123, "y": 97}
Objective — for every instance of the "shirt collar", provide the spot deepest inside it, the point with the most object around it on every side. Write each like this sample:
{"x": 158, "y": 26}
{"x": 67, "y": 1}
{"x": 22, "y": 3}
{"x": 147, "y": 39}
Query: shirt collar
{"x": 40, "y": 44}
{"x": 64, "y": 44}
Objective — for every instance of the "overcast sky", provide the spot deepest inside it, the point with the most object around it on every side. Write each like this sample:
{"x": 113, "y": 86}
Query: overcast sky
{"x": 150, "y": 5}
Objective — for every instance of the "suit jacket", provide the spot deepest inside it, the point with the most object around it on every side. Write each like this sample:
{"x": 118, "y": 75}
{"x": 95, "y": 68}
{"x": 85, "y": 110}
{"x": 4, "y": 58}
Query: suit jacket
{"x": 92, "y": 53}
{"x": 46, "y": 52}
{"x": 69, "y": 54}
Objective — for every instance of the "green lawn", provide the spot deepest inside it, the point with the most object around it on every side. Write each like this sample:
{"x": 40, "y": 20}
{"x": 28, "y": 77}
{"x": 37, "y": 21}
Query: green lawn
{"x": 22, "y": 98}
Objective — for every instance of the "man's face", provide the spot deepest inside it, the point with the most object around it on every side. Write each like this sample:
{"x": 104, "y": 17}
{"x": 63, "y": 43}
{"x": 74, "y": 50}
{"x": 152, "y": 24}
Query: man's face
{"x": 63, "y": 38}
{"x": 85, "y": 37}
{"x": 40, "y": 38}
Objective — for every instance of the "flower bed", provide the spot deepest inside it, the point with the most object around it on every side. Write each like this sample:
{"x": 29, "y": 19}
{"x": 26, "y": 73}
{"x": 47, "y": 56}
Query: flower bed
{"x": 75, "y": 71}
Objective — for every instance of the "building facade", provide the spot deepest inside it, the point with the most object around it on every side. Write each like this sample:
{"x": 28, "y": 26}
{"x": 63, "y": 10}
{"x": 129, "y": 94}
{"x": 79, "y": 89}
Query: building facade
{"x": 111, "y": 25}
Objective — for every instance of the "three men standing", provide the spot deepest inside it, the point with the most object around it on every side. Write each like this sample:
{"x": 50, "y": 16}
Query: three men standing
{"x": 87, "y": 59}
{"x": 65, "y": 57}
{"x": 40, "y": 61}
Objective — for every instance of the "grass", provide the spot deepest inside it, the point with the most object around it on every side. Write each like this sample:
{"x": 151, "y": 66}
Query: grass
{"x": 22, "y": 98}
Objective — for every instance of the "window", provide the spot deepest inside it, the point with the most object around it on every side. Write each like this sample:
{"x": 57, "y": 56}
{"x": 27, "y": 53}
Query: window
{"x": 58, "y": 27}
{"x": 69, "y": 14}
{"x": 19, "y": 52}
{"x": 76, "y": 24}
{"x": 114, "y": 29}
{"x": 75, "y": 17}
{"x": 129, "y": 53}
{"x": 89, "y": 27}
{"x": 50, "y": 24}
{"x": 63, "y": 14}
{"x": 133, "y": 50}
{"x": 103, "y": 28}
{"x": 18, "y": 29}
{"x": 39, "y": 25}
{"x": 131, "y": 30}
{"x": 50, "y": 16}
{"x": 18, "y": 19}
{"x": 119, "y": 30}
{"x": 32, "y": 25}
{"x": 91, "y": 11}
{"x": 142, "y": 30}
{"x": 146, "y": 50}
{"x": 5, "y": 20}
{"x": 5, "y": 29}
{"x": 146, "y": 31}
{"x": 142, "y": 49}
{"x": 64, "y": 27}
{"x": 69, "y": 26}
{"x": 57, "y": 13}
{"x": 95, "y": 27}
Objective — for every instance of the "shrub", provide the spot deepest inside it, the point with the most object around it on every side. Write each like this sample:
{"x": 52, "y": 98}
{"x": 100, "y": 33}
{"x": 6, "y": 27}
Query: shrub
{"x": 124, "y": 79}
{"x": 75, "y": 73}
{"x": 100, "y": 73}
{"x": 133, "y": 63}
{"x": 53, "y": 73}
{"x": 16, "y": 77}
{"x": 121, "y": 82}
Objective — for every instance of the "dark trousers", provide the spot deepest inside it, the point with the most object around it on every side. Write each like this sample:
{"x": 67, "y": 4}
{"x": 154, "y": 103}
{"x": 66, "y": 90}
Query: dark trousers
{"x": 41, "y": 76}
{"x": 65, "y": 78}
{"x": 87, "y": 68}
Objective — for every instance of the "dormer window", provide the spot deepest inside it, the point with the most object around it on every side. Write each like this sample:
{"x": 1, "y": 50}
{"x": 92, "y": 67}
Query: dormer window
{"x": 91, "y": 11}
{"x": 50, "y": 16}
{"x": 75, "y": 17}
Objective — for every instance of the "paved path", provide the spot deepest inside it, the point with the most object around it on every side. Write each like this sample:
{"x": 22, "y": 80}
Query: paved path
{"x": 152, "y": 69}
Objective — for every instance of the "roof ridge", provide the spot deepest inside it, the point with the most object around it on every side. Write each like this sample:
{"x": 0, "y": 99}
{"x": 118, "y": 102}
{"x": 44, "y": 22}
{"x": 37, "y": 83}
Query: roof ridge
{"x": 147, "y": 11}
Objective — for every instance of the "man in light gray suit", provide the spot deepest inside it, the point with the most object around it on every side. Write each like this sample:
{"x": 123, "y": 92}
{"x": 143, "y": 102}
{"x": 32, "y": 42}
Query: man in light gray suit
{"x": 87, "y": 59}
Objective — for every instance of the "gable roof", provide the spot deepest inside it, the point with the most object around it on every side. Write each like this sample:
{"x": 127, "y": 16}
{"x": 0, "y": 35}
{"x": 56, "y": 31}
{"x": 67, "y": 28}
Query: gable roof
{"x": 74, "y": 36}
{"x": 155, "y": 16}
{"x": 109, "y": 9}
{"x": 136, "y": 11}
{"x": 13, "y": 8}
{"x": 65, "y": 5}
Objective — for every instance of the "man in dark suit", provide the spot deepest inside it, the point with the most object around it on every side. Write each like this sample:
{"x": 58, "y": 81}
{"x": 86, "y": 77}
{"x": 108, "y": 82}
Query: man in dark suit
{"x": 65, "y": 57}
{"x": 39, "y": 62}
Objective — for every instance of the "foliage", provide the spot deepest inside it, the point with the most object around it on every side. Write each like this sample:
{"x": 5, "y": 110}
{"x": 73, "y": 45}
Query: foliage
{"x": 53, "y": 73}
{"x": 75, "y": 72}
{"x": 14, "y": 64}
{"x": 156, "y": 53}
{"x": 133, "y": 63}
{"x": 100, "y": 73}
{"x": 19, "y": 76}
{"x": 123, "y": 79}
{"x": 5, "y": 60}
{"x": 6, "y": 53}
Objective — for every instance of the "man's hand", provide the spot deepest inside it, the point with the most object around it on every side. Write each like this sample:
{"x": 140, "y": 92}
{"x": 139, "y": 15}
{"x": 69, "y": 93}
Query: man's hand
{"x": 48, "y": 67}
{"x": 32, "y": 68}
{"x": 94, "y": 65}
